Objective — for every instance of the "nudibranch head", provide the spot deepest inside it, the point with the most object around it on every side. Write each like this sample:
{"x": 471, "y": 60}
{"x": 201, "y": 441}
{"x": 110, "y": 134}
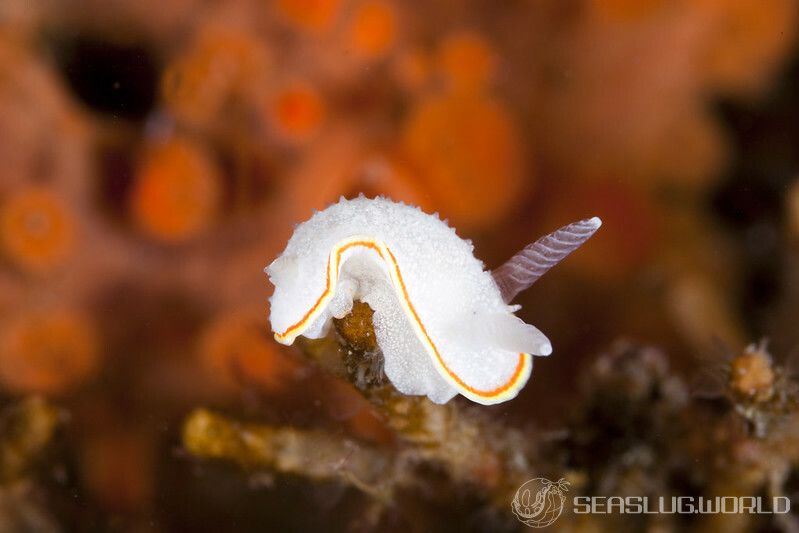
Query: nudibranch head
{"x": 439, "y": 317}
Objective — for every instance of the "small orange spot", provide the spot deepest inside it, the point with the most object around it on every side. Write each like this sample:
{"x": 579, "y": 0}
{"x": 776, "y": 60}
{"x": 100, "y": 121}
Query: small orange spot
{"x": 411, "y": 68}
{"x": 752, "y": 375}
{"x": 748, "y": 41}
{"x": 236, "y": 349}
{"x": 47, "y": 353}
{"x": 467, "y": 61}
{"x": 368, "y": 426}
{"x": 373, "y": 28}
{"x": 176, "y": 193}
{"x": 36, "y": 229}
{"x": 221, "y": 63}
{"x": 313, "y": 15}
{"x": 298, "y": 112}
{"x": 468, "y": 150}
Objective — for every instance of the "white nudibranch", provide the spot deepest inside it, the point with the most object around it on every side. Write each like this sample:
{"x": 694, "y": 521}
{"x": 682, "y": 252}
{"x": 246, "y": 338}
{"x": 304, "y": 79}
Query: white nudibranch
{"x": 442, "y": 322}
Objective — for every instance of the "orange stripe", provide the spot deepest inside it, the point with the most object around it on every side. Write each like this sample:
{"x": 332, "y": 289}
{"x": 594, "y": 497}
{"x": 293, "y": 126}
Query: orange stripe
{"x": 487, "y": 394}
{"x": 491, "y": 393}
{"x": 313, "y": 309}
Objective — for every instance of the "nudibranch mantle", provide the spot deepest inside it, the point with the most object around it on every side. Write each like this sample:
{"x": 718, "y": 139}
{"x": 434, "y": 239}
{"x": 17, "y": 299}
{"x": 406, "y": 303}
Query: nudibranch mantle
{"x": 439, "y": 317}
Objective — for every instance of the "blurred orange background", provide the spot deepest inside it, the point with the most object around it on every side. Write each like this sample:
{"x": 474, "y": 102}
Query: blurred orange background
{"x": 155, "y": 156}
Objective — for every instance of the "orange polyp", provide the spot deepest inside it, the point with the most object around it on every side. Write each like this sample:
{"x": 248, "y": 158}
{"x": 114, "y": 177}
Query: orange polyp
{"x": 313, "y": 15}
{"x": 221, "y": 62}
{"x": 36, "y": 229}
{"x": 411, "y": 68}
{"x": 467, "y": 61}
{"x": 189, "y": 90}
{"x": 47, "y": 353}
{"x": 749, "y": 39}
{"x": 373, "y": 28}
{"x": 176, "y": 193}
{"x": 236, "y": 350}
{"x": 468, "y": 150}
{"x": 297, "y": 112}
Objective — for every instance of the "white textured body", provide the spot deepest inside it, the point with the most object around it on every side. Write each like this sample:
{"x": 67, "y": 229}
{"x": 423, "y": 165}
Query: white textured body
{"x": 439, "y": 317}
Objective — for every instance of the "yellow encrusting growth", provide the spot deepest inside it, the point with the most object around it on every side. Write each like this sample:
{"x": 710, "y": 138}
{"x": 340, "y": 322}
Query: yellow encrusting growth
{"x": 357, "y": 329}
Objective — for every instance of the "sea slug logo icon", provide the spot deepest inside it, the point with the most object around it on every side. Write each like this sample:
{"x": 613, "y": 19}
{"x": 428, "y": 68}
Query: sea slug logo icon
{"x": 539, "y": 501}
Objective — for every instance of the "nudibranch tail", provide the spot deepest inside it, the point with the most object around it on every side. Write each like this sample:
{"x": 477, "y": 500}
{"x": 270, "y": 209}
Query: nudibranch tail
{"x": 508, "y": 332}
{"x": 532, "y": 262}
